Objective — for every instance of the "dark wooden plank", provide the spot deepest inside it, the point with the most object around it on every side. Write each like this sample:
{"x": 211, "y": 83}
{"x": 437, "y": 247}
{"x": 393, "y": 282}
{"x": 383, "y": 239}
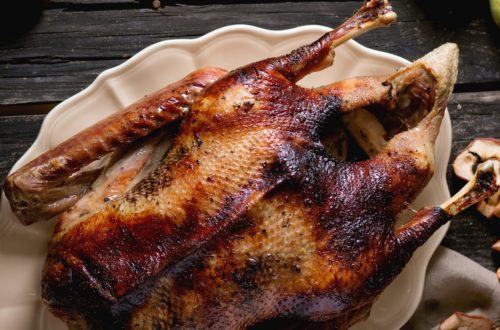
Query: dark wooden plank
{"x": 27, "y": 109}
{"x": 96, "y": 4}
{"x": 470, "y": 233}
{"x": 66, "y": 3}
{"x": 70, "y": 46}
{"x": 17, "y": 133}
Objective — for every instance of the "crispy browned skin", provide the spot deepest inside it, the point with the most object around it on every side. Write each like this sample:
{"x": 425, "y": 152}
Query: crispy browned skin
{"x": 48, "y": 184}
{"x": 248, "y": 219}
{"x": 224, "y": 159}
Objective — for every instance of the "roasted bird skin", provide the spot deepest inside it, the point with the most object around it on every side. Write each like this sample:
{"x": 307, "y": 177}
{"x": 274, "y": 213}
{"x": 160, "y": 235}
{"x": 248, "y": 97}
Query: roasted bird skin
{"x": 318, "y": 248}
{"x": 51, "y": 183}
{"x": 248, "y": 219}
{"x": 224, "y": 159}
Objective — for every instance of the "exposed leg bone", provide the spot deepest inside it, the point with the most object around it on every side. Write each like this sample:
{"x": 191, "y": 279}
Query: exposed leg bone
{"x": 35, "y": 191}
{"x": 423, "y": 224}
{"x": 319, "y": 55}
{"x": 484, "y": 183}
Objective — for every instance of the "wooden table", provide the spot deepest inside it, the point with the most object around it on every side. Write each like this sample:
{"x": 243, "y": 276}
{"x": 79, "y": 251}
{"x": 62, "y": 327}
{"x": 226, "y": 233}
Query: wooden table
{"x": 74, "y": 40}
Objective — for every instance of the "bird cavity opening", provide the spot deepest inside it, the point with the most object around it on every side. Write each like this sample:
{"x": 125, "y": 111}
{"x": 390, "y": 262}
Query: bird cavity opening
{"x": 364, "y": 132}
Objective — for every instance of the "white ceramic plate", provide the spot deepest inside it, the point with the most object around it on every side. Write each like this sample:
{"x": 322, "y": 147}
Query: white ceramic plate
{"x": 23, "y": 249}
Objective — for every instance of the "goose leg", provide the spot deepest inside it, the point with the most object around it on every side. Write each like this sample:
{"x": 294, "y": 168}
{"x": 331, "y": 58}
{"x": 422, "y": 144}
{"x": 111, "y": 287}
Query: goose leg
{"x": 413, "y": 234}
{"x": 318, "y": 55}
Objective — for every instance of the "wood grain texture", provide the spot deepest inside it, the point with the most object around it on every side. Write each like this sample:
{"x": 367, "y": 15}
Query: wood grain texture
{"x": 17, "y": 133}
{"x": 74, "y": 41}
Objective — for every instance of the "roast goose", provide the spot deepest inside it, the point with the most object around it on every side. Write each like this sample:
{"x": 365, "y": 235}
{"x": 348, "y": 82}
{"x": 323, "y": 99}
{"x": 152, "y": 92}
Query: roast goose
{"x": 247, "y": 220}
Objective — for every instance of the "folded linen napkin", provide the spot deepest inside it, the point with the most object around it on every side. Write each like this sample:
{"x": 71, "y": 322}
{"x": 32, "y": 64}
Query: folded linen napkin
{"x": 455, "y": 283}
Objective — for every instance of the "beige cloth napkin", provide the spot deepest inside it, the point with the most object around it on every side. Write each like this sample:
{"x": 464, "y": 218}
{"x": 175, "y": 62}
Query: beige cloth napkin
{"x": 455, "y": 283}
